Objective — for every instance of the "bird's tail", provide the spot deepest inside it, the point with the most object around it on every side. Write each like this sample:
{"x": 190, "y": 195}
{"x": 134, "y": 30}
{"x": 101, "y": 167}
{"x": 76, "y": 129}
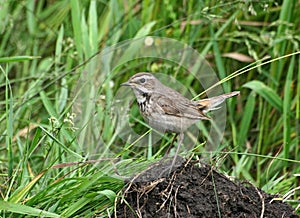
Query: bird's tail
{"x": 210, "y": 104}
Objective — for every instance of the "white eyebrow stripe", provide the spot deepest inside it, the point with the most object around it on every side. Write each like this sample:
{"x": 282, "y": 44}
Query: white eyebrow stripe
{"x": 144, "y": 75}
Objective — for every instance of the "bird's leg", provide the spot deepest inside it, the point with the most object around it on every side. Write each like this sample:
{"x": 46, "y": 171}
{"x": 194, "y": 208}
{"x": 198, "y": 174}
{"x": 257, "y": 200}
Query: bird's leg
{"x": 170, "y": 146}
{"x": 181, "y": 137}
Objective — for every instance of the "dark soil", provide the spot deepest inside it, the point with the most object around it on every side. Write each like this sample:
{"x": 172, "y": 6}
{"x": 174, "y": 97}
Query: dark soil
{"x": 193, "y": 191}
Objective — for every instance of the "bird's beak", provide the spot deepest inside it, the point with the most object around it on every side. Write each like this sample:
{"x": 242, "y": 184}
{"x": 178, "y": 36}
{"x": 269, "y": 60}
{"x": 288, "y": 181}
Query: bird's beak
{"x": 126, "y": 84}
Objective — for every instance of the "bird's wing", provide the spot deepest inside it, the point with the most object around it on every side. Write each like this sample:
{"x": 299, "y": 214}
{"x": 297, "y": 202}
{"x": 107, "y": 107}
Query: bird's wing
{"x": 175, "y": 107}
{"x": 166, "y": 106}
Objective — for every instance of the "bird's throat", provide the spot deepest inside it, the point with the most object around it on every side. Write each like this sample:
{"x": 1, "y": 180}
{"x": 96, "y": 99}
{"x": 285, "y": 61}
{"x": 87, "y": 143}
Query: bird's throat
{"x": 143, "y": 100}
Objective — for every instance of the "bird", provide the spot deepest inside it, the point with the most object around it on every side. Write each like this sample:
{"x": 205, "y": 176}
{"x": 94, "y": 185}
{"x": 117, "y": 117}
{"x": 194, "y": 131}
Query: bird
{"x": 166, "y": 110}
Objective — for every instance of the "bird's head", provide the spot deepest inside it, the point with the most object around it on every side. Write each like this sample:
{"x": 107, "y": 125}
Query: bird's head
{"x": 142, "y": 82}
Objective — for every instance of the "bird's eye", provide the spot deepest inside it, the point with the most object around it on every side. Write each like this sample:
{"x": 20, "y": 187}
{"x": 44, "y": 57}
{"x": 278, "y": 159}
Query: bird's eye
{"x": 142, "y": 80}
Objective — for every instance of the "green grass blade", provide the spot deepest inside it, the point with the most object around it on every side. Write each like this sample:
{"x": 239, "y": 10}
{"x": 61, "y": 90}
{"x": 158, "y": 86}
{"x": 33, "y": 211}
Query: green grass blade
{"x": 297, "y": 124}
{"x": 218, "y": 59}
{"x": 76, "y": 16}
{"x": 18, "y": 58}
{"x": 62, "y": 96}
{"x": 24, "y": 191}
{"x": 109, "y": 194}
{"x": 48, "y": 105}
{"x": 58, "y": 48}
{"x": 247, "y": 118}
{"x": 133, "y": 48}
{"x": 26, "y": 210}
{"x": 31, "y": 21}
{"x": 219, "y": 32}
{"x": 288, "y": 89}
{"x": 85, "y": 37}
{"x": 266, "y": 92}
{"x": 93, "y": 27}
{"x": 78, "y": 205}
{"x": 9, "y": 121}
{"x": 61, "y": 144}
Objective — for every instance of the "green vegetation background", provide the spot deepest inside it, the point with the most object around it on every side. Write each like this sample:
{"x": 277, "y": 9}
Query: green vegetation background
{"x": 46, "y": 45}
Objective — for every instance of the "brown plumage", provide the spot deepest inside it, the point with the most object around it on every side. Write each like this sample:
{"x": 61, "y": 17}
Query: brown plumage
{"x": 166, "y": 109}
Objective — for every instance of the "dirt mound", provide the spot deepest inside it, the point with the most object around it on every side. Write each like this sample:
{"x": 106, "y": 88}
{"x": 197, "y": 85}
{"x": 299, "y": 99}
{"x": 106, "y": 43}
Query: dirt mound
{"x": 193, "y": 191}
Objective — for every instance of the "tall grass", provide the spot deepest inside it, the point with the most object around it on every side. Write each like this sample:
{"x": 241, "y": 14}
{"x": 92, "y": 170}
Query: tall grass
{"x": 47, "y": 47}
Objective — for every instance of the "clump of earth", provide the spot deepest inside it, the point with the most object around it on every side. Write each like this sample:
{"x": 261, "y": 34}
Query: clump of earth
{"x": 190, "y": 190}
